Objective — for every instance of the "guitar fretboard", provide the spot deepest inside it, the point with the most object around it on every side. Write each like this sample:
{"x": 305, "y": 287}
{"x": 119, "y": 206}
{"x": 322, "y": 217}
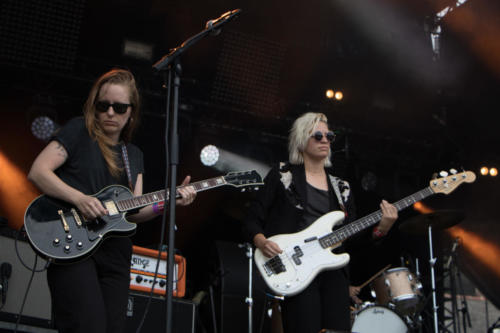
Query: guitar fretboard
{"x": 153, "y": 197}
{"x": 353, "y": 228}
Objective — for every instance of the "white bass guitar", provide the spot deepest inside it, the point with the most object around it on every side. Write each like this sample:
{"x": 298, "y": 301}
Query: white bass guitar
{"x": 308, "y": 252}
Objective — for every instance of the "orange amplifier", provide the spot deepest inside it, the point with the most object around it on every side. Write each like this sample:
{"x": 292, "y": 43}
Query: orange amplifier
{"x": 142, "y": 271}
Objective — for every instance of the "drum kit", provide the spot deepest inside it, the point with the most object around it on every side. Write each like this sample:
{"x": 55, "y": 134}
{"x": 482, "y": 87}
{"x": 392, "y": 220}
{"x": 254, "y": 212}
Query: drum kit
{"x": 399, "y": 295}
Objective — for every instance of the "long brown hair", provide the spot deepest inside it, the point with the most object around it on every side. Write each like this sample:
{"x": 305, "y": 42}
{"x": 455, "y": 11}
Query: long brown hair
{"x": 120, "y": 77}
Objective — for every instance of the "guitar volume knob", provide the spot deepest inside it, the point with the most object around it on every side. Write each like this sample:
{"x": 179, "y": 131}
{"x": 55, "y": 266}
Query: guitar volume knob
{"x": 69, "y": 238}
{"x": 67, "y": 249}
{"x": 56, "y": 241}
{"x": 79, "y": 245}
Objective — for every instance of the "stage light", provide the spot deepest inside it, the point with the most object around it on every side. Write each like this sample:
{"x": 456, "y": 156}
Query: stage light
{"x": 339, "y": 95}
{"x": 209, "y": 155}
{"x": 43, "y": 127}
{"x": 484, "y": 171}
{"x": 493, "y": 172}
{"x": 225, "y": 161}
{"x": 330, "y": 93}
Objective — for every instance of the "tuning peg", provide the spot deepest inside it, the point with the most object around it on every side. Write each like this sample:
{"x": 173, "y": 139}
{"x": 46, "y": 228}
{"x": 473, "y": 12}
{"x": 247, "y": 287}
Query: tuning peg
{"x": 443, "y": 173}
{"x": 256, "y": 188}
{"x": 243, "y": 189}
{"x": 453, "y": 171}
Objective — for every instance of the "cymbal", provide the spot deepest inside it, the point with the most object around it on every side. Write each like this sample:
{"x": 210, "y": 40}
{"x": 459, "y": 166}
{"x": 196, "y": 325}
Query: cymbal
{"x": 441, "y": 219}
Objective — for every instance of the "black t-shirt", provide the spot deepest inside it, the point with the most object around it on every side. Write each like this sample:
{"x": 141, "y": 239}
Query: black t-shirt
{"x": 318, "y": 204}
{"x": 85, "y": 168}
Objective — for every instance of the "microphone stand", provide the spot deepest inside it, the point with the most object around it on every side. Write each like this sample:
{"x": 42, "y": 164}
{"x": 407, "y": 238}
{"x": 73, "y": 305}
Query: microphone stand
{"x": 249, "y": 299}
{"x": 171, "y": 63}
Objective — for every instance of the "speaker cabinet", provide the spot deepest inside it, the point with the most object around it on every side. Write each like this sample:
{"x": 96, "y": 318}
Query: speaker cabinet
{"x": 37, "y": 309}
{"x": 183, "y": 314}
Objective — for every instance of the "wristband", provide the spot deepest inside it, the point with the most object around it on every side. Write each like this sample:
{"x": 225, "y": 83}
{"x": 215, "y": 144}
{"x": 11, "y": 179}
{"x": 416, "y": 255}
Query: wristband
{"x": 158, "y": 207}
{"x": 377, "y": 233}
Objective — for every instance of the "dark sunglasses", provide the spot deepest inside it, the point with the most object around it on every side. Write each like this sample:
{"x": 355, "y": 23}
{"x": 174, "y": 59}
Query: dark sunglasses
{"x": 318, "y": 135}
{"x": 119, "y": 108}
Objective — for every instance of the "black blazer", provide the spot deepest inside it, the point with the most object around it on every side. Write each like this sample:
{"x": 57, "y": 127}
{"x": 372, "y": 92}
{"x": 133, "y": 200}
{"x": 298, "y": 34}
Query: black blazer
{"x": 279, "y": 206}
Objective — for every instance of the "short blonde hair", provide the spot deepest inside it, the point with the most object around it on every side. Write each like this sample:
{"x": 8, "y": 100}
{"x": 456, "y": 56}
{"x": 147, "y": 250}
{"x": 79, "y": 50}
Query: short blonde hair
{"x": 300, "y": 133}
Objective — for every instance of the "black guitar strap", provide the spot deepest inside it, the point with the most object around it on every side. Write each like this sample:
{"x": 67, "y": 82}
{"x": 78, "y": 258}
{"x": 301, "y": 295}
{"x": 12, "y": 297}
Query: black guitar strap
{"x": 127, "y": 166}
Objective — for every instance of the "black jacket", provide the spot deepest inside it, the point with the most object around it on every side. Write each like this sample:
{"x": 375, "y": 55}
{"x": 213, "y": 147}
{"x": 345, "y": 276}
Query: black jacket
{"x": 279, "y": 206}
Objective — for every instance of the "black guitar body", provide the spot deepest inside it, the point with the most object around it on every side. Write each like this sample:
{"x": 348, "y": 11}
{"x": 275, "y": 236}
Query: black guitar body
{"x": 59, "y": 233}
{"x": 45, "y": 228}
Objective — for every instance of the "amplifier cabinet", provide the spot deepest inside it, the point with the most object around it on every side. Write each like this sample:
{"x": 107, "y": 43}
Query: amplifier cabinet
{"x": 183, "y": 314}
{"x": 37, "y": 310}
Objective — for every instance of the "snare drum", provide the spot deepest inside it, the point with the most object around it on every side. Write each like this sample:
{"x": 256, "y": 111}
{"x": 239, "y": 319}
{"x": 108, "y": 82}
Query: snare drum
{"x": 378, "y": 319}
{"x": 398, "y": 286}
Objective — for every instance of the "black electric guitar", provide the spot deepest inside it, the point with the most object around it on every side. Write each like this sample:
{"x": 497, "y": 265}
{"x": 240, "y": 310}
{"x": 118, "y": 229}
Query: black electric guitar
{"x": 58, "y": 232}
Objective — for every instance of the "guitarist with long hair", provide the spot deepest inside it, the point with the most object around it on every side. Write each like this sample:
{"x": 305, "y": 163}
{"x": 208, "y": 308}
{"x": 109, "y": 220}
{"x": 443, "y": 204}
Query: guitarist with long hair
{"x": 295, "y": 194}
{"x": 85, "y": 156}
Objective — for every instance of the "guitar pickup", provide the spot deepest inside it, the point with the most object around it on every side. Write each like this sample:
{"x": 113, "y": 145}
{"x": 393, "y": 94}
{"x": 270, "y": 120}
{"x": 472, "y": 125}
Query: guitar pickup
{"x": 77, "y": 217}
{"x": 63, "y": 220}
{"x": 296, "y": 256}
{"x": 111, "y": 207}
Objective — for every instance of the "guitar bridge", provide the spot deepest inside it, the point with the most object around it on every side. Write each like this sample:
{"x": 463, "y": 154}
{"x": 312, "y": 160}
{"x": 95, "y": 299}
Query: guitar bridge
{"x": 274, "y": 266}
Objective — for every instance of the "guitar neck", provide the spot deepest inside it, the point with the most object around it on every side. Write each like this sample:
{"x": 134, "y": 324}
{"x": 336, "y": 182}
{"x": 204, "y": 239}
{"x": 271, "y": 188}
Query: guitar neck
{"x": 359, "y": 225}
{"x": 153, "y": 197}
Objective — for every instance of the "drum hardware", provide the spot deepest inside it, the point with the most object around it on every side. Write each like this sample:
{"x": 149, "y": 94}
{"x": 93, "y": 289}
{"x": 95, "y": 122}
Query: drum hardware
{"x": 455, "y": 279}
{"x": 439, "y": 220}
{"x": 424, "y": 223}
{"x": 272, "y": 310}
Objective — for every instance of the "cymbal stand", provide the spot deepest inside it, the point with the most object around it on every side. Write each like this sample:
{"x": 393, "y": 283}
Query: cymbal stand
{"x": 451, "y": 316}
{"x": 465, "y": 310}
{"x": 432, "y": 262}
{"x": 249, "y": 299}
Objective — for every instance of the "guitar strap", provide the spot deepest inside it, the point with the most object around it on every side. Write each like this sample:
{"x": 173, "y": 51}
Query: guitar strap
{"x": 127, "y": 166}
{"x": 335, "y": 184}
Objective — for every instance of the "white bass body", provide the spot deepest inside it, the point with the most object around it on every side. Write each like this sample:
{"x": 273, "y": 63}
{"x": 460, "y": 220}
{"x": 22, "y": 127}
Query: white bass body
{"x": 303, "y": 257}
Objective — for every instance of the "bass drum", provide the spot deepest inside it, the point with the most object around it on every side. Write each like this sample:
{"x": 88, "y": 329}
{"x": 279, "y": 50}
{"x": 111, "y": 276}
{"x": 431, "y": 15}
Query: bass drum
{"x": 378, "y": 319}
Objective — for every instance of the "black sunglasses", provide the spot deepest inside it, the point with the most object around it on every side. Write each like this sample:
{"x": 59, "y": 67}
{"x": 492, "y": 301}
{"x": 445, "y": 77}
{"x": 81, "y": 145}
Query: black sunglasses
{"x": 119, "y": 108}
{"x": 318, "y": 135}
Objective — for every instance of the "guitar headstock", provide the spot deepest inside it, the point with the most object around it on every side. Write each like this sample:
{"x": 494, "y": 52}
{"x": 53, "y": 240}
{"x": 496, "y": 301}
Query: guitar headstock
{"x": 447, "y": 184}
{"x": 244, "y": 179}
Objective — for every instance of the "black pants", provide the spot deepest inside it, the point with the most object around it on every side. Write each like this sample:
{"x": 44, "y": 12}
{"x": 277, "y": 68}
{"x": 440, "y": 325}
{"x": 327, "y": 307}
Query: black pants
{"x": 92, "y": 295}
{"x": 323, "y": 304}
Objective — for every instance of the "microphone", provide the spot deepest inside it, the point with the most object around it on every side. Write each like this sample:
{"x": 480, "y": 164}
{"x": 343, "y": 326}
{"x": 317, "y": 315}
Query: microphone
{"x": 5, "y": 272}
{"x": 453, "y": 249}
{"x": 224, "y": 18}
